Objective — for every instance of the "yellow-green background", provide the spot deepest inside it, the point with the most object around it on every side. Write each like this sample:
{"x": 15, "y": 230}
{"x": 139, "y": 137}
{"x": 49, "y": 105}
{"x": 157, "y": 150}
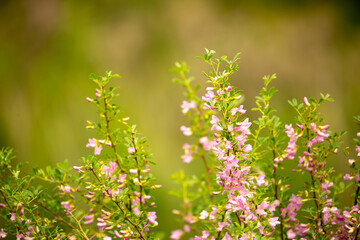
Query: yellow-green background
{"x": 49, "y": 47}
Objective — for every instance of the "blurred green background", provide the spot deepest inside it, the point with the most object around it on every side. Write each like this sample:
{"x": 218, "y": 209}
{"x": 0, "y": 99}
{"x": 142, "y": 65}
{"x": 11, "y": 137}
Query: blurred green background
{"x": 49, "y": 47}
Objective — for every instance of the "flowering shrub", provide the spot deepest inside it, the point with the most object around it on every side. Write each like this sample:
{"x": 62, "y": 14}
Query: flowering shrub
{"x": 109, "y": 196}
{"x": 242, "y": 193}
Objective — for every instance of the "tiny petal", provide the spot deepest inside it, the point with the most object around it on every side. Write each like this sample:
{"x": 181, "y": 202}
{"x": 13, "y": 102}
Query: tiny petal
{"x": 306, "y": 101}
{"x": 131, "y": 150}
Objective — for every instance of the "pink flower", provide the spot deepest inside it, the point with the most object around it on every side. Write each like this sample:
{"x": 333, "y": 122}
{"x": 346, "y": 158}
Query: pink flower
{"x": 12, "y": 216}
{"x": 176, "y": 235}
{"x": 19, "y": 236}
{"x": 117, "y": 234}
{"x": 357, "y": 177}
{"x": 273, "y": 222}
{"x": 351, "y": 161}
{"x": 186, "y": 106}
{"x": 243, "y": 127}
{"x": 3, "y": 234}
{"x": 136, "y": 211}
{"x": 291, "y": 234}
{"x": 131, "y": 150}
{"x": 78, "y": 169}
{"x": 348, "y": 177}
{"x": 208, "y": 96}
{"x": 89, "y": 219}
{"x": 133, "y": 171}
{"x": 187, "y": 157}
{"x": 214, "y": 121}
{"x": 306, "y": 101}
{"x": 261, "y": 180}
{"x": 204, "y": 236}
{"x": 97, "y": 93}
{"x": 186, "y": 131}
{"x": 207, "y": 145}
{"x": 204, "y": 214}
{"x": 152, "y": 216}
{"x": 89, "y": 99}
{"x": 228, "y": 145}
{"x": 222, "y": 225}
{"x": 325, "y": 186}
{"x": 66, "y": 205}
{"x": 94, "y": 143}
{"x": 358, "y": 150}
{"x": 236, "y": 110}
{"x": 107, "y": 238}
{"x": 109, "y": 170}
{"x": 247, "y": 148}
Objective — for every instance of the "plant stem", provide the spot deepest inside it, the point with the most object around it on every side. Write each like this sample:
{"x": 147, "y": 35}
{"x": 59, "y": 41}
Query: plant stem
{"x": 118, "y": 205}
{"x": 107, "y": 121}
{"x": 79, "y": 224}
{"x": 50, "y": 211}
{"x": 222, "y": 220}
{"x": 138, "y": 167}
{"x": 208, "y": 173}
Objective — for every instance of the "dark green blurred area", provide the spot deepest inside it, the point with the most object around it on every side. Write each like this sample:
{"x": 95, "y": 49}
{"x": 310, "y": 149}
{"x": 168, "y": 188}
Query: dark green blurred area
{"x": 49, "y": 47}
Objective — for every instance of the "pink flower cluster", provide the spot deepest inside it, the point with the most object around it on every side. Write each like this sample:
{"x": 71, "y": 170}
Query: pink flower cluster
{"x": 289, "y": 213}
{"x": 233, "y": 176}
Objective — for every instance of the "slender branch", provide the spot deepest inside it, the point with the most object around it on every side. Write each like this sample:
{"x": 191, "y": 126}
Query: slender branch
{"x": 222, "y": 220}
{"x": 207, "y": 178}
{"x": 118, "y": 205}
{"x": 138, "y": 167}
{"x": 277, "y": 197}
{"x": 318, "y": 212}
{"x": 357, "y": 195}
{"x": 107, "y": 121}
{"x": 79, "y": 224}
{"x": 53, "y": 213}
{"x": 7, "y": 203}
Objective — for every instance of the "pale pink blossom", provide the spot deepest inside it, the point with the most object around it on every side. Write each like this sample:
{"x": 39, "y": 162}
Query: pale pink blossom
{"x": 176, "y": 235}
{"x": 3, "y": 234}
{"x": 97, "y": 93}
{"x": 186, "y": 106}
{"x": 136, "y": 211}
{"x": 94, "y": 143}
{"x": 131, "y": 150}
{"x": 207, "y": 145}
{"x": 215, "y": 123}
{"x": 357, "y": 177}
{"x": 348, "y": 177}
{"x": 204, "y": 214}
{"x": 306, "y": 101}
{"x": 273, "y": 222}
{"x": 236, "y": 110}
{"x": 152, "y": 217}
{"x": 133, "y": 171}
{"x": 261, "y": 180}
{"x": 78, "y": 169}
{"x": 247, "y": 148}
{"x": 66, "y": 205}
{"x": 186, "y": 131}
{"x": 351, "y": 161}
